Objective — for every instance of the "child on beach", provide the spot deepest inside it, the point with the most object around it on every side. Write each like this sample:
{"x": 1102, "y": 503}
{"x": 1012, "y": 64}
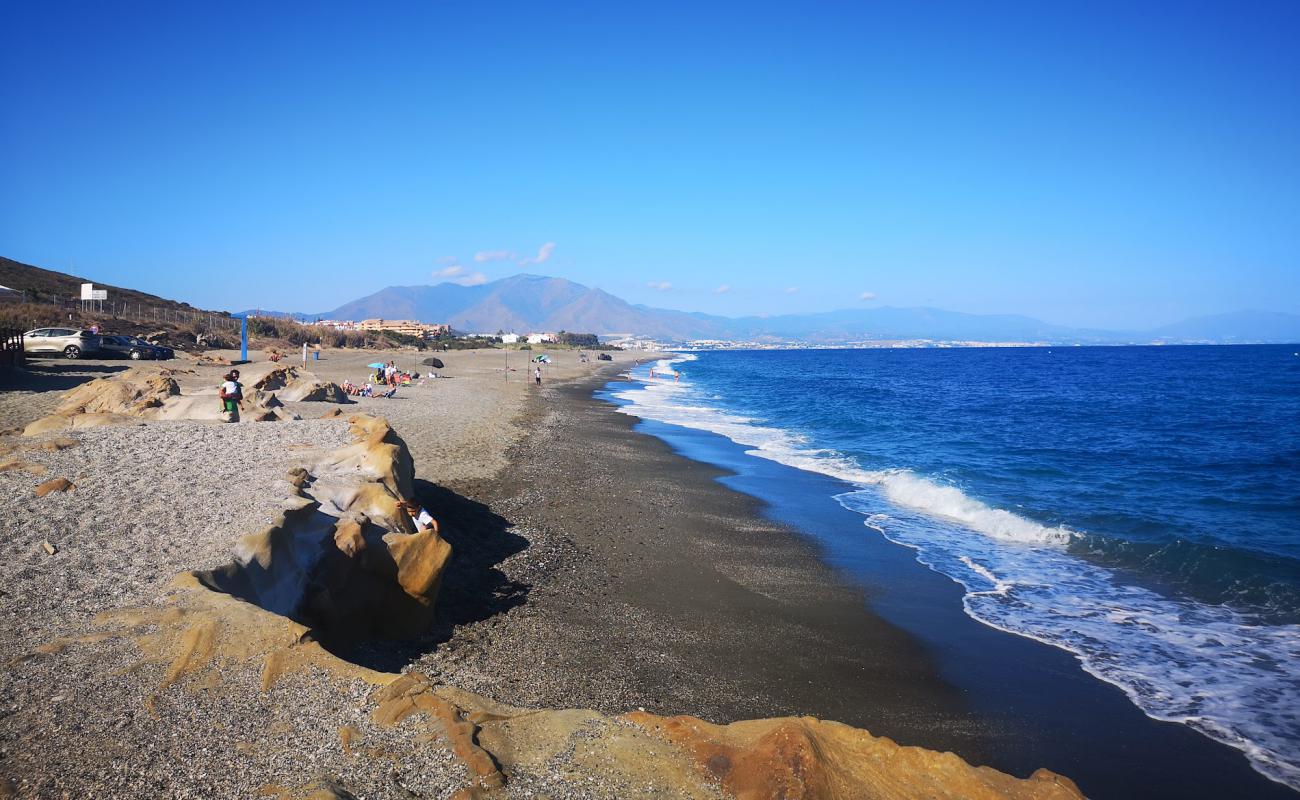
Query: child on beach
{"x": 232, "y": 394}
{"x": 537, "y": 373}
{"x": 420, "y": 516}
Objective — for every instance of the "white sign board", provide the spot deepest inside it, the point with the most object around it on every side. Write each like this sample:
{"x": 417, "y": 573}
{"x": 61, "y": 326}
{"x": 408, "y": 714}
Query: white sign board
{"x": 99, "y": 294}
{"x": 87, "y": 291}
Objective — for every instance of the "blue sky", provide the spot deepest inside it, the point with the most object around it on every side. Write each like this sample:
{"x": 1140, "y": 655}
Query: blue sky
{"x": 1110, "y": 164}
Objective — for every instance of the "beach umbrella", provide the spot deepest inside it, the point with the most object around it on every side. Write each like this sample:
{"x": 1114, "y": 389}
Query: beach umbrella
{"x": 436, "y": 363}
{"x": 376, "y": 365}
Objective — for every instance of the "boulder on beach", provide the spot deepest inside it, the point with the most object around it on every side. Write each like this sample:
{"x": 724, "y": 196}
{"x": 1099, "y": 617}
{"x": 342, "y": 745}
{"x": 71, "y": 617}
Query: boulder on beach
{"x": 294, "y": 385}
{"x": 382, "y": 576}
{"x": 317, "y": 391}
{"x": 55, "y": 485}
{"x": 142, "y": 393}
{"x": 128, "y": 392}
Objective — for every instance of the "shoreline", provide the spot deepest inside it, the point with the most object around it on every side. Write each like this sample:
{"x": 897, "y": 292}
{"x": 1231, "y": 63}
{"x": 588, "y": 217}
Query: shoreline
{"x": 650, "y": 585}
{"x": 595, "y": 567}
{"x": 1024, "y": 703}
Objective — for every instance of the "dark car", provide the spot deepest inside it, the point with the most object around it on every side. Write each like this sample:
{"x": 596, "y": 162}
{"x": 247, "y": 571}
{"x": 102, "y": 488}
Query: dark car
{"x": 133, "y": 348}
{"x": 605, "y": 357}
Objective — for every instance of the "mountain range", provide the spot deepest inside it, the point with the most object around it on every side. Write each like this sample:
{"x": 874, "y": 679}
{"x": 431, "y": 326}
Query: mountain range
{"x": 523, "y": 303}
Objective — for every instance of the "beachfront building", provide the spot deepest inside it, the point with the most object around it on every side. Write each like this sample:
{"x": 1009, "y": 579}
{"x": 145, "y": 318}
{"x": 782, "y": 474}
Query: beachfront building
{"x": 542, "y": 338}
{"x": 406, "y": 327}
{"x": 627, "y": 341}
{"x": 509, "y": 338}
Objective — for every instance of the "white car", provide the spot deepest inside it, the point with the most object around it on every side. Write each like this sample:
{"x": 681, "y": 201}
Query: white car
{"x": 68, "y": 342}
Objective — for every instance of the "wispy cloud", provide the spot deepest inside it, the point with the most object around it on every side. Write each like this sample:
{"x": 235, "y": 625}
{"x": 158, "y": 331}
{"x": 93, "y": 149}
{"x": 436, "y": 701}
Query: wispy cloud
{"x": 445, "y": 260}
{"x": 457, "y": 274}
{"x": 543, "y": 254}
{"x": 792, "y": 290}
{"x": 661, "y": 286}
{"x": 867, "y": 296}
{"x": 493, "y": 255}
{"x": 723, "y": 289}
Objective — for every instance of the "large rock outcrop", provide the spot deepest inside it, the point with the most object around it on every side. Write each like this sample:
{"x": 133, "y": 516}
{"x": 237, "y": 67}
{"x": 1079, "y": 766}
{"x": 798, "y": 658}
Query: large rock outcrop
{"x": 140, "y": 393}
{"x": 294, "y": 384}
{"x": 344, "y": 554}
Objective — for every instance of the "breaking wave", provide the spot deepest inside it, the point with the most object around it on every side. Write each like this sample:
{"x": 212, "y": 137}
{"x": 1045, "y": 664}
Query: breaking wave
{"x": 1206, "y": 665}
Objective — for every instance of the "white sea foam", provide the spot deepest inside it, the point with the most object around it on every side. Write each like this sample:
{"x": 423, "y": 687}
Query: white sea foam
{"x": 665, "y": 399}
{"x": 1205, "y": 666}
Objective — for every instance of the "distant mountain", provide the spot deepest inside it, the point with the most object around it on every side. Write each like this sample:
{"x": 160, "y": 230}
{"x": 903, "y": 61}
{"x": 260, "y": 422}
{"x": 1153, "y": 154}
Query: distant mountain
{"x": 1239, "y": 326}
{"x": 524, "y": 303}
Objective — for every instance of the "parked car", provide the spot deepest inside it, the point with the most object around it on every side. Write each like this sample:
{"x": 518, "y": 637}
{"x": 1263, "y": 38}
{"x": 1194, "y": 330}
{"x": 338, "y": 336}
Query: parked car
{"x": 69, "y": 342}
{"x": 129, "y": 347}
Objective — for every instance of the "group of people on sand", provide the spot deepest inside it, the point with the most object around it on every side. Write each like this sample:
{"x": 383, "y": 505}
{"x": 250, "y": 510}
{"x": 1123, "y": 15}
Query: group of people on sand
{"x": 390, "y": 375}
{"x": 367, "y": 389}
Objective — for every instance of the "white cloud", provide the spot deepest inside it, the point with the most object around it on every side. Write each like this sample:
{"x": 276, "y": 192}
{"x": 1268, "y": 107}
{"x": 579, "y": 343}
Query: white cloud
{"x": 792, "y": 290}
{"x": 867, "y": 296}
{"x": 457, "y": 274}
{"x": 543, "y": 254}
{"x": 723, "y": 289}
{"x": 661, "y": 286}
{"x": 493, "y": 255}
{"x": 445, "y": 260}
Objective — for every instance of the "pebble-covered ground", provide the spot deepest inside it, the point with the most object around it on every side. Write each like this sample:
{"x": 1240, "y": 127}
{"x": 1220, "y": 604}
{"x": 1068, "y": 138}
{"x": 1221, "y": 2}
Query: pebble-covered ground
{"x": 152, "y": 501}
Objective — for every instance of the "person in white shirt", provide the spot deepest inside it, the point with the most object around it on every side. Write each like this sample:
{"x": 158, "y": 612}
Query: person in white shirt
{"x": 421, "y": 517}
{"x": 232, "y": 394}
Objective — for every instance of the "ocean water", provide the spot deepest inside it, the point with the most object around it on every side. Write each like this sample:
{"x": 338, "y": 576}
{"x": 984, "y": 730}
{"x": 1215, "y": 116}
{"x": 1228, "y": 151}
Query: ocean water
{"x": 1138, "y": 507}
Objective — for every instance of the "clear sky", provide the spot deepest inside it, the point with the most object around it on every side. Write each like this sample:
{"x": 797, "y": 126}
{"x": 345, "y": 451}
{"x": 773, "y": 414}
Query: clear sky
{"x": 1119, "y": 164}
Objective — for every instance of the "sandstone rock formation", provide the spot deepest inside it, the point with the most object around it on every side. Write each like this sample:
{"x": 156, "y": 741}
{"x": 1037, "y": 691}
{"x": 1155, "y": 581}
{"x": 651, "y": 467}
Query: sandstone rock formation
{"x": 296, "y": 385}
{"x": 379, "y": 578}
{"x": 807, "y": 757}
{"x": 55, "y": 485}
{"x": 142, "y": 393}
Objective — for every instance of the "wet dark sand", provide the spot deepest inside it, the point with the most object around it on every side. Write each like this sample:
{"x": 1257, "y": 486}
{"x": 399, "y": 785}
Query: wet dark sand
{"x": 628, "y": 575}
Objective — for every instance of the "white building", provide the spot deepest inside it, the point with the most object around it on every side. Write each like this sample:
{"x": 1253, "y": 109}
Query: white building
{"x": 509, "y": 338}
{"x": 540, "y": 338}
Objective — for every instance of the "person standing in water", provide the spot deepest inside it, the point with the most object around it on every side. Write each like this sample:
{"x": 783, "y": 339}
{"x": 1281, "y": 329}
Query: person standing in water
{"x": 232, "y": 394}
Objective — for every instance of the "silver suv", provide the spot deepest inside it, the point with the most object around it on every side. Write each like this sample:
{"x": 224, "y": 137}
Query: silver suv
{"x": 70, "y": 342}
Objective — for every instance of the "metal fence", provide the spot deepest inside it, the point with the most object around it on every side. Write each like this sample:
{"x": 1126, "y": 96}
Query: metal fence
{"x": 140, "y": 312}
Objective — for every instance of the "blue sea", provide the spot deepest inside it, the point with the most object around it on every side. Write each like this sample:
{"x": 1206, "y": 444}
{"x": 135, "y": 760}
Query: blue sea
{"x": 1138, "y": 507}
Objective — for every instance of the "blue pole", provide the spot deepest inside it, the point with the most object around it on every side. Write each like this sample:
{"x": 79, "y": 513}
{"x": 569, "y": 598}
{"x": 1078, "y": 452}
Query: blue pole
{"x": 243, "y": 338}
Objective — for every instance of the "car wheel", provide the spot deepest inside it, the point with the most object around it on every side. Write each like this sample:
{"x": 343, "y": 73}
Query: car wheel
{"x": 72, "y": 351}
{"x": 135, "y": 355}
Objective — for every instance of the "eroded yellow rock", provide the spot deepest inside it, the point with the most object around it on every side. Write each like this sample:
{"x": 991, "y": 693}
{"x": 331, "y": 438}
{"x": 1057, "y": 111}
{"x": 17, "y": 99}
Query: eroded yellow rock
{"x": 804, "y": 757}
{"x": 55, "y": 485}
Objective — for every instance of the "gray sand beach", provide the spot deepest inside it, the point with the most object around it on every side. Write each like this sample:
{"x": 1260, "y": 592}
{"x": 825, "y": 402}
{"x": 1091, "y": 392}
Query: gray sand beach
{"x": 592, "y": 569}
